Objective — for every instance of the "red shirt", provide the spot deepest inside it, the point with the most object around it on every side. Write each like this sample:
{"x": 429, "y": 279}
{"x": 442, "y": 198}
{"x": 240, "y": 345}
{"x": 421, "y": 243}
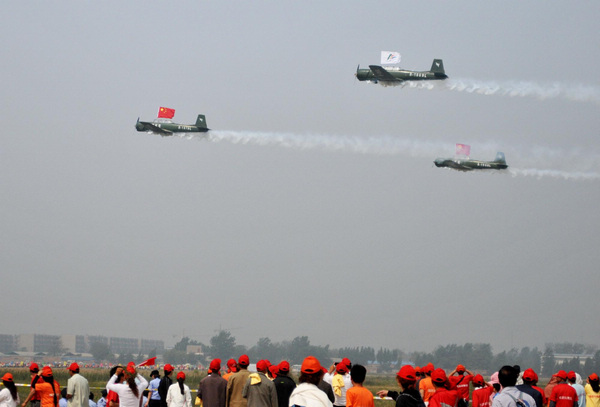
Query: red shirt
{"x": 543, "y": 394}
{"x": 461, "y": 385}
{"x": 447, "y": 397}
{"x": 563, "y": 395}
{"x": 112, "y": 396}
{"x": 481, "y": 397}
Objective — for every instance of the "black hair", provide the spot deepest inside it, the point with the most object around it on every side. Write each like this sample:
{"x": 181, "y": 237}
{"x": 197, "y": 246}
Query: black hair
{"x": 180, "y": 381}
{"x": 104, "y": 393}
{"x": 50, "y": 381}
{"x": 91, "y": 396}
{"x": 313, "y": 378}
{"x": 358, "y": 374}
{"x": 406, "y": 384}
{"x": 10, "y": 385}
{"x": 63, "y": 393}
{"x": 133, "y": 386}
{"x": 595, "y": 385}
{"x": 507, "y": 376}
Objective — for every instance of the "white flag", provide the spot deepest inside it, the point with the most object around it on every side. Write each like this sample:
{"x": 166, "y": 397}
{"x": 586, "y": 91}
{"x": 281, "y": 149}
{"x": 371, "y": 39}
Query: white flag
{"x": 390, "y": 57}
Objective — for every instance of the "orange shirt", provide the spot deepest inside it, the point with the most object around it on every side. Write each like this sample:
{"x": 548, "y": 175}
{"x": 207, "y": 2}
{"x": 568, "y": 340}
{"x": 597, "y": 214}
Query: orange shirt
{"x": 358, "y": 396}
{"x": 47, "y": 393}
{"x": 426, "y": 387}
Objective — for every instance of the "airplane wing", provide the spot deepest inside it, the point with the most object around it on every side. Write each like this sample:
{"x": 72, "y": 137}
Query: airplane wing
{"x": 156, "y": 129}
{"x": 383, "y": 75}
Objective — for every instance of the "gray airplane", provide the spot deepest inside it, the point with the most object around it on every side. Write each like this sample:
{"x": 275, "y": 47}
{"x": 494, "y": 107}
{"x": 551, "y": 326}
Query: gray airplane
{"x": 395, "y": 75}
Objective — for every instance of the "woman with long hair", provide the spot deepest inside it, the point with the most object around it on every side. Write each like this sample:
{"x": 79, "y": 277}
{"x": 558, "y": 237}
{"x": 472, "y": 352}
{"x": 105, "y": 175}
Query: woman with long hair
{"x": 49, "y": 389}
{"x": 179, "y": 394}
{"x": 129, "y": 391}
{"x": 8, "y": 395}
{"x": 592, "y": 391}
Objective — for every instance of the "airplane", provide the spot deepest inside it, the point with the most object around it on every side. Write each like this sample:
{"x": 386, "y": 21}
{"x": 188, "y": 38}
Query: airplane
{"x": 396, "y": 76}
{"x": 464, "y": 163}
{"x": 167, "y": 128}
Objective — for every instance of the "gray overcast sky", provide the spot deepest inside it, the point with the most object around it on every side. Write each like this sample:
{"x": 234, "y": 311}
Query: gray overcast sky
{"x": 279, "y": 226}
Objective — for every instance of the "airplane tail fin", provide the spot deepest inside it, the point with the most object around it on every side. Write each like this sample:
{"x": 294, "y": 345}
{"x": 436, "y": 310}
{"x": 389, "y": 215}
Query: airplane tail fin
{"x": 437, "y": 67}
{"x": 201, "y": 122}
{"x": 500, "y": 158}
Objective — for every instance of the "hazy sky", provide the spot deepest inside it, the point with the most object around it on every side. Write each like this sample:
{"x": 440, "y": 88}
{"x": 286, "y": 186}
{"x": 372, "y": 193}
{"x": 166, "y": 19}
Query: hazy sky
{"x": 315, "y": 208}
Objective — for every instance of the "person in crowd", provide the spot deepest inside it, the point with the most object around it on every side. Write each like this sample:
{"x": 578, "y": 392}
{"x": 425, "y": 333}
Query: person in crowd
{"x": 443, "y": 396}
{"x": 63, "y": 402}
{"x": 572, "y": 380}
{"x": 326, "y": 387}
{"x": 231, "y": 369}
{"x": 592, "y": 391}
{"x": 78, "y": 388}
{"x": 236, "y": 384}
{"x": 153, "y": 396}
{"x": 426, "y": 387}
{"x": 259, "y": 390}
{"x": 562, "y": 394}
{"x": 92, "y": 403}
{"x": 164, "y": 384}
{"x": 284, "y": 384}
{"x": 33, "y": 398}
{"x": 358, "y": 395}
{"x": 102, "y": 400}
{"x": 112, "y": 398}
{"x": 130, "y": 391}
{"x": 461, "y": 382}
{"x": 409, "y": 395}
{"x": 509, "y": 395}
{"x": 179, "y": 394}
{"x": 9, "y": 397}
{"x": 49, "y": 389}
{"x": 340, "y": 383}
{"x": 307, "y": 393}
{"x": 481, "y": 392}
{"x": 528, "y": 379}
{"x": 212, "y": 390}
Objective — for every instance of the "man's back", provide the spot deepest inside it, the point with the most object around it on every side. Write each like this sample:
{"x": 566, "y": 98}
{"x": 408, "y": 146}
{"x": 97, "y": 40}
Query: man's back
{"x": 512, "y": 397}
{"x": 563, "y": 395}
{"x": 260, "y": 393}
{"x": 284, "y": 385}
{"x": 235, "y": 385}
{"x": 213, "y": 391}
{"x": 536, "y": 395}
{"x": 79, "y": 389}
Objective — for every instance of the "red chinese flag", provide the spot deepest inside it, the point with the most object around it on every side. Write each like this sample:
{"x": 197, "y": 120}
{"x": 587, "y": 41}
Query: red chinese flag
{"x": 150, "y": 361}
{"x": 166, "y": 113}
{"x": 463, "y": 149}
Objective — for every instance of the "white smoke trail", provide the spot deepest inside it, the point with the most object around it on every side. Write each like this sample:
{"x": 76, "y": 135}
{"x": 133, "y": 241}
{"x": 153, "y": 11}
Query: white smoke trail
{"x": 585, "y": 164}
{"x": 578, "y": 93}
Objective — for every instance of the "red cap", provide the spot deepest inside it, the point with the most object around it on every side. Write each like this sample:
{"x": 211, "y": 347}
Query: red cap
{"x": 561, "y": 374}
{"x": 131, "y": 368}
{"x": 284, "y": 366}
{"x": 529, "y": 375}
{"x": 407, "y": 372}
{"x": 310, "y": 365}
{"x": 168, "y": 368}
{"x": 34, "y": 368}
{"x": 478, "y": 380}
{"x": 417, "y": 369}
{"x": 341, "y": 368}
{"x": 181, "y": 375}
{"x": 73, "y": 367}
{"x": 460, "y": 369}
{"x": 593, "y": 377}
{"x": 215, "y": 365}
{"x": 347, "y": 362}
{"x": 428, "y": 368}
{"x": 439, "y": 376}
{"x": 274, "y": 369}
{"x": 231, "y": 363}
{"x": 244, "y": 360}
{"x": 571, "y": 375}
{"x": 46, "y": 371}
{"x": 8, "y": 377}
{"x": 262, "y": 365}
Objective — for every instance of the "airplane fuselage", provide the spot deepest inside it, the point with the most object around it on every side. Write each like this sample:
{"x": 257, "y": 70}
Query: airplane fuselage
{"x": 465, "y": 164}
{"x": 399, "y": 75}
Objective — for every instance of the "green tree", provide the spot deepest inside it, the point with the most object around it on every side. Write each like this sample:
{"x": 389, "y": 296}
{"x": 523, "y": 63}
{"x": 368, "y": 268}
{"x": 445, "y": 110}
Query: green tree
{"x": 222, "y": 345}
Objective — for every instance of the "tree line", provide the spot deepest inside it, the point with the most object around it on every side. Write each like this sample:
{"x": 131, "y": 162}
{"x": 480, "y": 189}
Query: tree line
{"x": 476, "y": 356}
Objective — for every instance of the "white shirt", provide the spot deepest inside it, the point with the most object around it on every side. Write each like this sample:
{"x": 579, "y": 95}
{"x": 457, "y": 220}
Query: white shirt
{"x": 176, "y": 399}
{"x": 6, "y": 399}
{"x": 126, "y": 396}
{"x": 309, "y": 395}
